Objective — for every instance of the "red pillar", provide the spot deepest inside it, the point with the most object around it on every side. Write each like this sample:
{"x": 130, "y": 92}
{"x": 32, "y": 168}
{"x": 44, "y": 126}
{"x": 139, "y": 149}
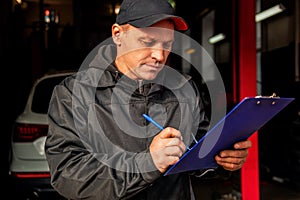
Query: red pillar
{"x": 244, "y": 73}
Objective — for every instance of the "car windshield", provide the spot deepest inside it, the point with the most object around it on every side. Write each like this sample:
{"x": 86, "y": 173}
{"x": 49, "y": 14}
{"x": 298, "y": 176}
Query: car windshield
{"x": 42, "y": 94}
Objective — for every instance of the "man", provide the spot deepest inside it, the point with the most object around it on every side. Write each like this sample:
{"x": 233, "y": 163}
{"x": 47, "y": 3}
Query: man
{"x": 99, "y": 146}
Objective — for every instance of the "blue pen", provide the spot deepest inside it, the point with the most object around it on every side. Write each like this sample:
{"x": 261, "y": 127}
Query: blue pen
{"x": 149, "y": 119}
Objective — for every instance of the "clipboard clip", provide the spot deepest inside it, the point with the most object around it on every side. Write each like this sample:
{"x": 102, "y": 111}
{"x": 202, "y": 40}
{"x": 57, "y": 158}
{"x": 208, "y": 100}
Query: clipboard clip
{"x": 272, "y": 96}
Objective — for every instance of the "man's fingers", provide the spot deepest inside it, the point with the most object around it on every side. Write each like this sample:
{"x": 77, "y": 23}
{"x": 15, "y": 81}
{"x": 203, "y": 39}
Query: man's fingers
{"x": 174, "y": 151}
{"x": 233, "y": 160}
{"x": 175, "y": 142}
{"x": 170, "y": 133}
{"x": 231, "y": 163}
{"x": 166, "y": 148}
{"x": 234, "y": 153}
{"x": 243, "y": 144}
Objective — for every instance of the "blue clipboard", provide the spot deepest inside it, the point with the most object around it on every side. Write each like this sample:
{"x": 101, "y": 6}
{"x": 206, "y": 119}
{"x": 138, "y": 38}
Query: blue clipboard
{"x": 239, "y": 124}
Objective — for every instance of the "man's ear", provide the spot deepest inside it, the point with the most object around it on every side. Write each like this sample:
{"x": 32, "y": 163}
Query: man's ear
{"x": 116, "y": 31}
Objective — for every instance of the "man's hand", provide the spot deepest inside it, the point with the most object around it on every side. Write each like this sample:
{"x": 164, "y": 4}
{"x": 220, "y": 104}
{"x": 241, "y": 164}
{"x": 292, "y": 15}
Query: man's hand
{"x": 166, "y": 148}
{"x": 234, "y": 159}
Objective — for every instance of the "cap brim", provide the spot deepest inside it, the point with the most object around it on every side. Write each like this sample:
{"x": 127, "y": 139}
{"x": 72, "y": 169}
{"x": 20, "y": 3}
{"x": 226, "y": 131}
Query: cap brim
{"x": 179, "y": 22}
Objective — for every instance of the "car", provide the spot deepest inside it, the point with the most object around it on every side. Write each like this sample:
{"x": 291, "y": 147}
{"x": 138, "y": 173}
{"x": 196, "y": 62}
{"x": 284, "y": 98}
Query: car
{"x": 28, "y": 167}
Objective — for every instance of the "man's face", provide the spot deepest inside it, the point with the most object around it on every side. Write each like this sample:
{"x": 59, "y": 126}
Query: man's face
{"x": 144, "y": 51}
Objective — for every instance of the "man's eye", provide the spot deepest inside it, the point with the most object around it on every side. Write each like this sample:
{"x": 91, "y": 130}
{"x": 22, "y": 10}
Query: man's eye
{"x": 148, "y": 43}
{"x": 168, "y": 45}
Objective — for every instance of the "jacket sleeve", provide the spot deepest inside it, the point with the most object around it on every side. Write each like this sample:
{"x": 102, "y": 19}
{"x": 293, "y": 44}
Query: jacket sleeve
{"x": 77, "y": 172}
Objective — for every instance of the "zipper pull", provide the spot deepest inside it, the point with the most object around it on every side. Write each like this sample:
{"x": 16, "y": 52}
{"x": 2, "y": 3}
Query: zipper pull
{"x": 141, "y": 89}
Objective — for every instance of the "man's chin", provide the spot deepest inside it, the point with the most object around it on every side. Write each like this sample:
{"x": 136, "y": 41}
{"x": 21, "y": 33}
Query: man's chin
{"x": 150, "y": 77}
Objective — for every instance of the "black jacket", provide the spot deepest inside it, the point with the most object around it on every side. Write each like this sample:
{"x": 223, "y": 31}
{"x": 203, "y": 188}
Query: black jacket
{"x": 98, "y": 141}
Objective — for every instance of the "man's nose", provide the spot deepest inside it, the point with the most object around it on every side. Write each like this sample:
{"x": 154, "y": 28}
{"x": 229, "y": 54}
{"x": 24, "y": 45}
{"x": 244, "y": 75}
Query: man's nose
{"x": 158, "y": 53}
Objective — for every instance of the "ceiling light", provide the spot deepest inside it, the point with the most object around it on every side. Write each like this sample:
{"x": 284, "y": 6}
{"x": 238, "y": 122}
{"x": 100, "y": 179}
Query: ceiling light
{"x": 216, "y": 38}
{"x": 117, "y": 9}
{"x": 269, "y": 12}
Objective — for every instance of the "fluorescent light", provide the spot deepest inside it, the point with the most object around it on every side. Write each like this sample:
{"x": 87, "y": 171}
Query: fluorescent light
{"x": 216, "y": 38}
{"x": 269, "y": 12}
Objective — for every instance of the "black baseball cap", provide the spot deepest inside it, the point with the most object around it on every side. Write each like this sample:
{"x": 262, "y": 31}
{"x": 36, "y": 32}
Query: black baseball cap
{"x": 144, "y": 13}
